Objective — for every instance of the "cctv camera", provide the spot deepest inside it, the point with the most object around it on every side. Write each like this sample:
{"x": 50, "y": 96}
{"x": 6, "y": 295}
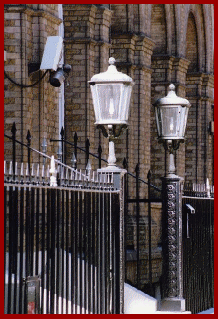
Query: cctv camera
{"x": 58, "y": 77}
{"x": 52, "y": 53}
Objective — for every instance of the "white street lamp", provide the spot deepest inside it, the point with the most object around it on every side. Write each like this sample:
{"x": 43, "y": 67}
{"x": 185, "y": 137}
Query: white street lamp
{"x": 111, "y": 93}
{"x": 171, "y": 116}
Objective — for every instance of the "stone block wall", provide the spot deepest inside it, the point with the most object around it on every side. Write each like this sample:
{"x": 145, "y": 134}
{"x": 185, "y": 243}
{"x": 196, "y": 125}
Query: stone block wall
{"x": 155, "y": 44}
{"x": 31, "y": 108}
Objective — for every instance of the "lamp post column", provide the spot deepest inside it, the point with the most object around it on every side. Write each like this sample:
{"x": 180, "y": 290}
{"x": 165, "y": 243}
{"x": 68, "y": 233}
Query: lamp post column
{"x": 172, "y": 238}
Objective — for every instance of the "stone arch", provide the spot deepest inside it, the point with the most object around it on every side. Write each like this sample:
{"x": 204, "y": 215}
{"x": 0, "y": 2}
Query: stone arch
{"x": 191, "y": 9}
{"x": 192, "y": 50}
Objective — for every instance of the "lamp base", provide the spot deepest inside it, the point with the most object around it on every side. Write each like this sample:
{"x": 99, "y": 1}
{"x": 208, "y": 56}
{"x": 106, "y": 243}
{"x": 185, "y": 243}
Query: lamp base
{"x": 118, "y": 174}
{"x": 173, "y": 304}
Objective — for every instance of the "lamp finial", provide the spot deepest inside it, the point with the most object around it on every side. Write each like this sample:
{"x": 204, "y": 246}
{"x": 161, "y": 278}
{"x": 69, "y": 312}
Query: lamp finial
{"x": 111, "y": 61}
{"x": 172, "y": 87}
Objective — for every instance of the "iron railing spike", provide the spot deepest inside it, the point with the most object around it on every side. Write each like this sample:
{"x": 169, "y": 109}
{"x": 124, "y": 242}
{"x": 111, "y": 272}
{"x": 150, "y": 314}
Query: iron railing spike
{"x": 5, "y": 167}
{"x": 11, "y": 168}
{"x": 43, "y": 170}
{"x": 21, "y": 170}
{"x": 5, "y": 172}
{"x": 67, "y": 177}
{"x": 73, "y": 160}
{"x": 16, "y": 173}
{"x": 37, "y": 170}
{"x": 33, "y": 170}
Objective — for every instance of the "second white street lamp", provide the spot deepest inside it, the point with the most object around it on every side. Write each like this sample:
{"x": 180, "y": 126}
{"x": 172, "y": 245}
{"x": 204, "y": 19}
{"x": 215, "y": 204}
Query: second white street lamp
{"x": 111, "y": 93}
{"x": 171, "y": 116}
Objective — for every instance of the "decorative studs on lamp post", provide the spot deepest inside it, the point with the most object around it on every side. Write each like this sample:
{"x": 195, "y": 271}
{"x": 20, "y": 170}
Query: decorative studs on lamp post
{"x": 171, "y": 117}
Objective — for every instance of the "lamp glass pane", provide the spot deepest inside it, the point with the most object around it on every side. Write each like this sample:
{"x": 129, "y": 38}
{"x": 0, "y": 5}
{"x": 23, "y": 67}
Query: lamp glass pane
{"x": 108, "y": 96}
{"x": 170, "y": 121}
{"x": 183, "y": 120}
{"x": 158, "y": 121}
{"x": 95, "y": 102}
{"x": 125, "y": 102}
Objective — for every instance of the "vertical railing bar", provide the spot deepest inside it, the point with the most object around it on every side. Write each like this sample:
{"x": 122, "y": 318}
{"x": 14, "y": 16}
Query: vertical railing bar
{"x": 5, "y": 243}
{"x": 58, "y": 250}
{"x": 109, "y": 256}
{"x": 77, "y": 212}
{"x": 137, "y": 222}
{"x": 48, "y": 303}
{"x": 43, "y": 251}
{"x": 32, "y": 211}
{"x": 103, "y": 252}
{"x": 117, "y": 252}
{"x": 149, "y": 233}
{"x": 99, "y": 155}
{"x": 89, "y": 248}
{"x": 75, "y": 147}
{"x": 211, "y": 236}
{"x": 13, "y": 131}
{"x": 81, "y": 225}
{"x": 28, "y": 137}
{"x": 62, "y": 248}
{"x": 27, "y": 210}
{"x": 99, "y": 252}
{"x": 114, "y": 222}
{"x": 93, "y": 252}
{"x": 37, "y": 229}
{"x": 53, "y": 247}
{"x": 9, "y": 251}
{"x": 73, "y": 257}
{"x": 87, "y": 150}
{"x": 67, "y": 249}
{"x": 107, "y": 260}
{"x": 85, "y": 249}
{"x": 101, "y": 264}
{"x": 15, "y": 244}
{"x": 80, "y": 249}
{"x": 125, "y": 212}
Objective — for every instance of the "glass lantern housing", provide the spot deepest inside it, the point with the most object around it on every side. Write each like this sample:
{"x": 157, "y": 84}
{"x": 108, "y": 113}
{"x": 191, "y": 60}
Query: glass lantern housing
{"x": 111, "y": 93}
{"x": 171, "y": 116}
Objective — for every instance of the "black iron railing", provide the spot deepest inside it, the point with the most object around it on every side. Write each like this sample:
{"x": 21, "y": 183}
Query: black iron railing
{"x": 198, "y": 248}
{"x": 70, "y": 238}
{"x": 39, "y": 175}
